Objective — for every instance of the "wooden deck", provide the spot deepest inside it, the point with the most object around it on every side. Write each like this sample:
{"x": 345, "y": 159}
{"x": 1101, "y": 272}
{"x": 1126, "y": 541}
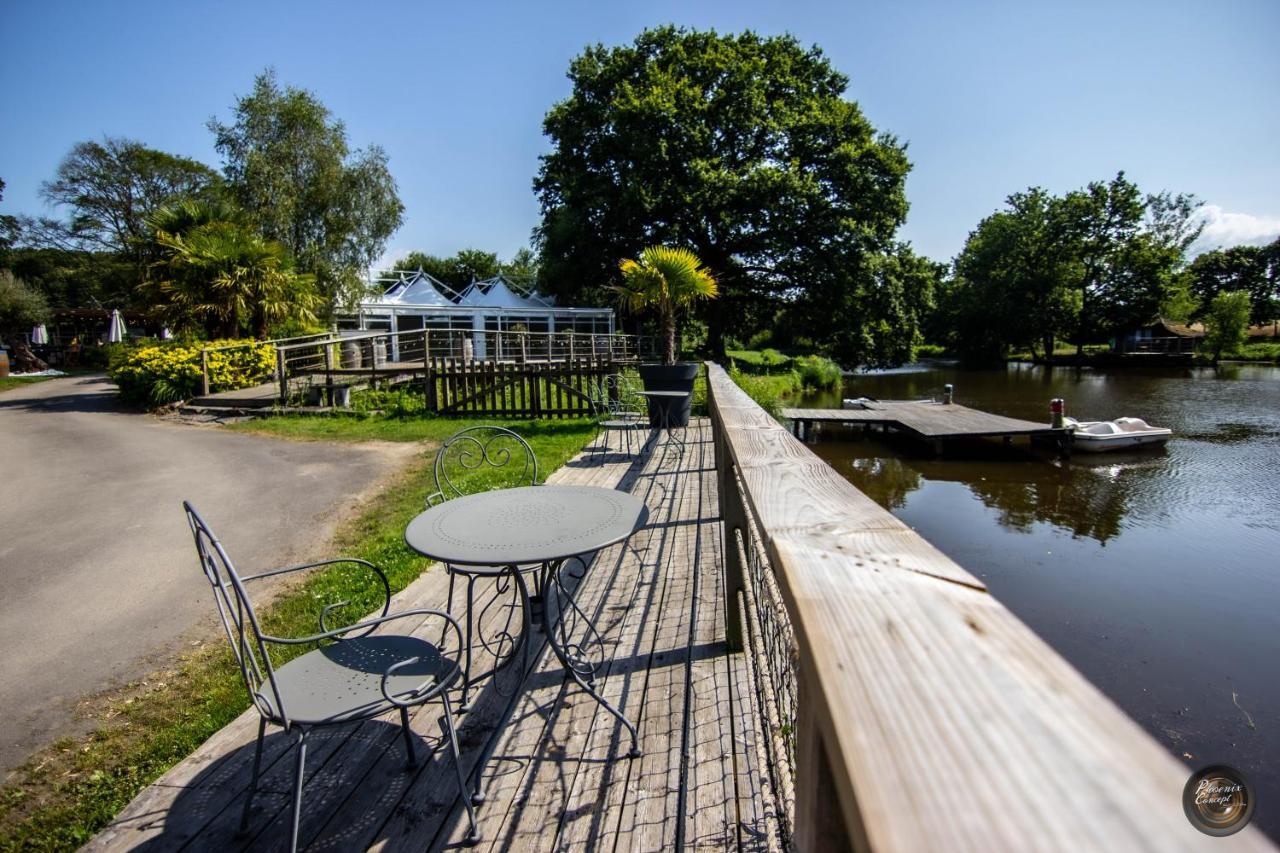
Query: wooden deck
{"x": 927, "y": 420}
{"x": 555, "y": 770}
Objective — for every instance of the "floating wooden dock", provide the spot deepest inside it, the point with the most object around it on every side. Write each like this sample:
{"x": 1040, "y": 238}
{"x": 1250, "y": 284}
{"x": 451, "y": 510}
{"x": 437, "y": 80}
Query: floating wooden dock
{"x": 929, "y": 421}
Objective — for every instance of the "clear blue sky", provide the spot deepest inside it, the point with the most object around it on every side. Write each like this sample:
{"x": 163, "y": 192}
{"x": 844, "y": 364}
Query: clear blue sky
{"x": 990, "y": 97}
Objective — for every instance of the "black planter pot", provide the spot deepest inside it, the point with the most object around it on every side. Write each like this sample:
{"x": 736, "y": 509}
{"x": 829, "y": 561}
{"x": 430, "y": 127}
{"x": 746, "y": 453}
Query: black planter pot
{"x": 669, "y": 377}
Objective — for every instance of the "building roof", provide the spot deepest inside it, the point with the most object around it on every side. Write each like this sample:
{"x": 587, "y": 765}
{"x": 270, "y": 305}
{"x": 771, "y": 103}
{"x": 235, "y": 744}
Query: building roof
{"x": 500, "y": 292}
{"x": 1181, "y": 330}
{"x": 417, "y": 288}
{"x": 1263, "y": 330}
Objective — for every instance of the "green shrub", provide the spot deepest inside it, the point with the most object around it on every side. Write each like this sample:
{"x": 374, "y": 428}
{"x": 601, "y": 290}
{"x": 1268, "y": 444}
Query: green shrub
{"x": 95, "y": 358}
{"x": 764, "y": 390}
{"x": 931, "y": 351}
{"x": 391, "y": 402}
{"x": 772, "y": 358}
{"x": 158, "y": 373}
{"x": 818, "y": 373}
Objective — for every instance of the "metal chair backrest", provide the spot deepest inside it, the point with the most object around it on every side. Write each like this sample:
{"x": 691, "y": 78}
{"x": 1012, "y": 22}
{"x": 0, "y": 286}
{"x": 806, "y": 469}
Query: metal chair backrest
{"x": 480, "y": 458}
{"x": 238, "y": 618}
{"x": 624, "y": 394}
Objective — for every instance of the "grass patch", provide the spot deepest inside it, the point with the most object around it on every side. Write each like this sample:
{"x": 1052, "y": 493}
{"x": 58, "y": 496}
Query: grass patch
{"x": 1259, "y": 351}
{"x": 767, "y": 391}
{"x": 69, "y": 791}
{"x": 8, "y": 383}
{"x": 932, "y": 351}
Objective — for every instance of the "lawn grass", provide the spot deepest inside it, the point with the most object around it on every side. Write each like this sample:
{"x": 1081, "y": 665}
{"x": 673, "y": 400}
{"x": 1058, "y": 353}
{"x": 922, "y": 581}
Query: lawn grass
{"x": 69, "y": 791}
{"x": 8, "y": 383}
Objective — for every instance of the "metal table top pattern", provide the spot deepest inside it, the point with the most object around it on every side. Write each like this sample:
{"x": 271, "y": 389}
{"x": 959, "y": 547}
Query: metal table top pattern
{"x": 530, "y": 524}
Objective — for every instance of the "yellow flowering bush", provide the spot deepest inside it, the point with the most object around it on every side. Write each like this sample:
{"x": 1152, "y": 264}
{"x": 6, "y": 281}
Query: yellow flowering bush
{"x": 158, "y": 373}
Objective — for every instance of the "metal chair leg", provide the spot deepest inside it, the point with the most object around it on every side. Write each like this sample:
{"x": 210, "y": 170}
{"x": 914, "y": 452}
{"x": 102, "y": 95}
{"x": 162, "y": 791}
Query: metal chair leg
{"x": 451, "y": 733}
{"x": 299, "y": 774}
{"x": 253, "y": 781}
{"x": 449, "y": 608}
{"x": 408, "y": 738}
{"x": 466, "y": 668}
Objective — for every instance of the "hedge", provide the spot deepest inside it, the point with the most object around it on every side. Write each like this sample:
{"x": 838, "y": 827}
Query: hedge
{"x": 159, "y": 373}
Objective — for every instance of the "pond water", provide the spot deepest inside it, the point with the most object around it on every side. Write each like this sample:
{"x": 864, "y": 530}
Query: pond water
{"x": 1157, "y": 574}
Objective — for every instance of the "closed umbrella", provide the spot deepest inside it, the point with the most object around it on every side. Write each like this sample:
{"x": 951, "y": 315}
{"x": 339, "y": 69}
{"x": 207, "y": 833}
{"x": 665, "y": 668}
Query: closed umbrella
{"x": 39, "y": 336}
{"x": 116, "y": 330}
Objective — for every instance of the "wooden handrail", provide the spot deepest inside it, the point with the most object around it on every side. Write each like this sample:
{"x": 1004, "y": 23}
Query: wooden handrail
{"x": 929, "y": 716}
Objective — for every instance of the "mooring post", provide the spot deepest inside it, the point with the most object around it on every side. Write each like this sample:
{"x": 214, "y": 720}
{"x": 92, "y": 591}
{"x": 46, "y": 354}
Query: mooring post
{"x": 948, "y": 391}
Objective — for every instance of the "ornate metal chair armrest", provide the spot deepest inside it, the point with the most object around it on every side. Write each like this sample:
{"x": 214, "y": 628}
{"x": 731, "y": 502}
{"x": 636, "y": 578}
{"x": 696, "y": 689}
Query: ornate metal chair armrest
{"x": 328, "y": 608}
{"x": 366, "y": 626}
{"x": 428, "y": 689}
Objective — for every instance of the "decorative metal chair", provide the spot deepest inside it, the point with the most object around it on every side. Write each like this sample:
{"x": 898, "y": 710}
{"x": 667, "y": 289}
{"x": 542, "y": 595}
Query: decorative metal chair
{"x": 352, "y": 675}
{"x": 481, "y": 458}
{"x": 619, "y": 411}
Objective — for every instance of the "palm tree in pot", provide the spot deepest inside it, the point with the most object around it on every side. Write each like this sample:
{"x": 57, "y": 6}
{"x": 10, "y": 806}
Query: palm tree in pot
{"x": 666, "y": 280}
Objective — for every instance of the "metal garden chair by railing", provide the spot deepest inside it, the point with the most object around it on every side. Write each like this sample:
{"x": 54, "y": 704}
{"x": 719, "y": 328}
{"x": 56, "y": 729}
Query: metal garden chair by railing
{"x": 619, "y": 409}
{"x": 481, "y": 458}
{"x": 352, "y": 675}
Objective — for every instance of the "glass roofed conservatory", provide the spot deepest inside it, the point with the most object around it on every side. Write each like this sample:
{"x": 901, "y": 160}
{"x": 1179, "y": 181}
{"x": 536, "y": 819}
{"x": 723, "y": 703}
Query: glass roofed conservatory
{"x": 412, "y": 301}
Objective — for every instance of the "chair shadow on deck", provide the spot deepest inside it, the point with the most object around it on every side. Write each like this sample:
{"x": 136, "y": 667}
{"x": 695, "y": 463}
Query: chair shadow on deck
{"x": 205, "y": 814}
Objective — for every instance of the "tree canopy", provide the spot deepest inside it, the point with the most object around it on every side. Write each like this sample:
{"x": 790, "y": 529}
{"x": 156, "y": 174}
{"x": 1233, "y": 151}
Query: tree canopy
{"x": 744, "y": 149}
{"x": 469, "y": 265}
{"x": 287, "y": 163}
{"x": 1253, "y": 269}
{"x": 1083, "y": 266}
{"x": 111, "y": 187}
{"x": 1225, "y": 320}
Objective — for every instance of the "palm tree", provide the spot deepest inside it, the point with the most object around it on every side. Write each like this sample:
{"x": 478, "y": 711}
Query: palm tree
{"x": 216, "y": 274}
{"x": 667, "y": 280}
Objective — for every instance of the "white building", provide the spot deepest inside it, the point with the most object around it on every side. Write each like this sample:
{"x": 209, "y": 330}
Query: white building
{"x": 414, "y": 301}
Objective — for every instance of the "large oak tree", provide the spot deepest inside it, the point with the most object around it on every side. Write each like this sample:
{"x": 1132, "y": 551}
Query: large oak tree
{"x": 746, "y": 150}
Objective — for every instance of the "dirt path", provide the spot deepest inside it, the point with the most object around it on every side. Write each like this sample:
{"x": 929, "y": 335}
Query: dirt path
{"x": 97, "y": 566}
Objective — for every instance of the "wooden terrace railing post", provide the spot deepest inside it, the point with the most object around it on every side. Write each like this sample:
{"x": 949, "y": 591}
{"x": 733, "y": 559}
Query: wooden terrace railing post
{"x": 328, "y": 372}
{"x": 733, "y": 518}
{"x": 283, "y": 376}
{"x": 204, "y": 372}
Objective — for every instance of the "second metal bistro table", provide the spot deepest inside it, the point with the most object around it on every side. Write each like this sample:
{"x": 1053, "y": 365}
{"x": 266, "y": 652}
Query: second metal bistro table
{"x": 665, "y": 402}
{"x": 542, "y": 525}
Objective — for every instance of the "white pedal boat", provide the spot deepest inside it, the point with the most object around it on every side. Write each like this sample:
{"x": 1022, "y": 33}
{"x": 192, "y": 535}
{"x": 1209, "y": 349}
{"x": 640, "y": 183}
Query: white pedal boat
{"x": 1120, "y": 434}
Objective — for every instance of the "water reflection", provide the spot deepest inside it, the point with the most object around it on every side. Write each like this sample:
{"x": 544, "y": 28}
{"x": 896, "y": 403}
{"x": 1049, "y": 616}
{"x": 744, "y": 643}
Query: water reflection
{"x": 1087, "y": 496}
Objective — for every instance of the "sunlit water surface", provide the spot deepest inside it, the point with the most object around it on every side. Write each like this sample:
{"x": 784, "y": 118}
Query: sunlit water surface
{"x": 1156, "y": 573}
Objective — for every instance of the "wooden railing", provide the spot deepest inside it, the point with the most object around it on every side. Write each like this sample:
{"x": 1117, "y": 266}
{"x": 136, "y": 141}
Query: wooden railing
{"x": 907, "y": 709}
{"x": 299, "y": 361}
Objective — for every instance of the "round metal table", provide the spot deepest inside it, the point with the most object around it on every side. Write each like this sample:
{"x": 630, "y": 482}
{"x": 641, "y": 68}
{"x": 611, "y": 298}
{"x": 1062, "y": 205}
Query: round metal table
{"x": 545, "y": 526}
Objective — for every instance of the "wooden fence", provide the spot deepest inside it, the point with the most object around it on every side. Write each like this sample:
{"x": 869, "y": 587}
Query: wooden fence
{"x": 906, "y": 709}
{"x": 558, "y": 389}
